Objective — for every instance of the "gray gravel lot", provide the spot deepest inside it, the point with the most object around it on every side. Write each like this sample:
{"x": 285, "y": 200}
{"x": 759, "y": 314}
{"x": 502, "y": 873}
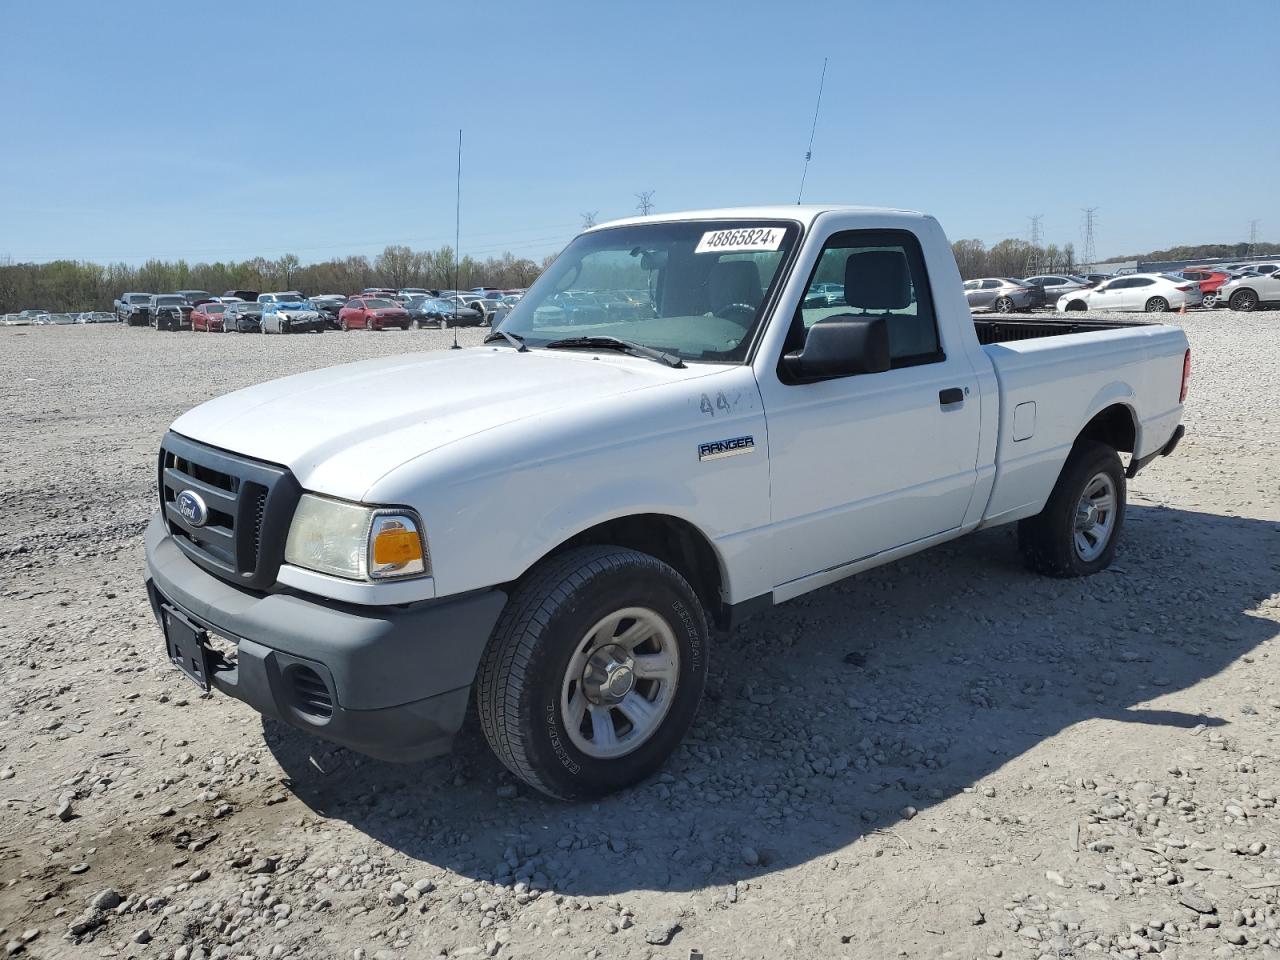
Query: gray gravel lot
{"x": 946, "y": 757}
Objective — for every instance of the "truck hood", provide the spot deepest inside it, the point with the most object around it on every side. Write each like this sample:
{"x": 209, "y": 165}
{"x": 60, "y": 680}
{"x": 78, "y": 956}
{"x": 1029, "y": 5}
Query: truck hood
{"x": 343, "y": 428}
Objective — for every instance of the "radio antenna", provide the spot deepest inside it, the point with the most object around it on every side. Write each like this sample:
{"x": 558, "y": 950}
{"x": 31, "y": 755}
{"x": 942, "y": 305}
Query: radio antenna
{"x": 457, "y": 242}
{"x": 808, "y": 154}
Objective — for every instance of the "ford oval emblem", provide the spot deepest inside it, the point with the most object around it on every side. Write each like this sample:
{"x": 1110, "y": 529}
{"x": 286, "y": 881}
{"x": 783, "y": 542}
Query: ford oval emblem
{"x": 193, "y": 508}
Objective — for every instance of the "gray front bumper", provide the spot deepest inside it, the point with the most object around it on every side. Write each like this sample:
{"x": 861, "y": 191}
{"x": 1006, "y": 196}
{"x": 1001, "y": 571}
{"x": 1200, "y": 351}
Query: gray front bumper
{"x": 398, "y": 678}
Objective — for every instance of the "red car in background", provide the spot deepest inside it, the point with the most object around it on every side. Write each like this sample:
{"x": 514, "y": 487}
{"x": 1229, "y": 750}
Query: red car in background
{"x": 372, "y": 313}
{"x": 207, "y": 316}
{"x": 1210, "y": 281}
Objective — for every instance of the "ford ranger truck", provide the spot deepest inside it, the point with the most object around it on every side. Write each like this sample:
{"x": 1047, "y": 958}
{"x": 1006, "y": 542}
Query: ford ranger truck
{"x": 558, "y": 523}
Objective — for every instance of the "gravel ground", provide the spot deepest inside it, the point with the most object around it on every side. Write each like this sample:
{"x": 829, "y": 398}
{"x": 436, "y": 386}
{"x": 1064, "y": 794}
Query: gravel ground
{"x": 946, "y": 757}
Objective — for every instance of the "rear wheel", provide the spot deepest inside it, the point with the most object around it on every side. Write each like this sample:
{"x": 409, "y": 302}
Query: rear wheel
{"x": 1075, "y": 534}
{"x": 594, "y": 671}
{"x": 1245, "y": 300}
{"x": 1157, "y": 305}
{"x": 1210, "y": 301}
{"x": 1003, "y": 305}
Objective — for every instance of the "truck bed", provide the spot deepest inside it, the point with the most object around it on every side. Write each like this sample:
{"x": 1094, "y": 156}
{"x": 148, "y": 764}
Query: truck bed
{"x": 1031, "y": 328}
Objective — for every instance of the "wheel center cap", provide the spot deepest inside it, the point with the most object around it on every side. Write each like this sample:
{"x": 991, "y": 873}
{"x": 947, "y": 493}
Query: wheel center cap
{"x": 1087, "y": 518}
{"x": 609, "y": 675}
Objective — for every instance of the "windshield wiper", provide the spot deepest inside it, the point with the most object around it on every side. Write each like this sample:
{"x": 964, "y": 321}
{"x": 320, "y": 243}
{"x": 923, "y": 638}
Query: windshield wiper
{"x": 514, "y": 339}
{"x": 615, "y": 343}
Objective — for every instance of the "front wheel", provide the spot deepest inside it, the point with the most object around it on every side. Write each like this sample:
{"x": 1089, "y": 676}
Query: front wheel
{"x": 594, "y": 672}
{"x": 1075, "y": 534}
{"x": 1244, "y": 300}
{"x": 1157, "y": 305}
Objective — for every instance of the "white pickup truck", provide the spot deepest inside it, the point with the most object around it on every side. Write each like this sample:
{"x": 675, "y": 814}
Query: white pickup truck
{"x": 689, "y": 417}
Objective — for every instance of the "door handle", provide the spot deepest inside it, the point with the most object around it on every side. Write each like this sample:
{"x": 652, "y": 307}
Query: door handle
{"x": 951, "y": 395}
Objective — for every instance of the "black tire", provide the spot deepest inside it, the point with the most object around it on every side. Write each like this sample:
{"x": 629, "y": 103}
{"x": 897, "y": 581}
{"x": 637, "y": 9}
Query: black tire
{"x": 1074, "y": 305}
{"x": 1244, "y": 300}
{"x": 1003, "y": 305}
{"x": 1048, "y": 540}
{"x": 342, "y": 325}
{"x": 543, "y": 626}
{"x": 1157, "y": 305}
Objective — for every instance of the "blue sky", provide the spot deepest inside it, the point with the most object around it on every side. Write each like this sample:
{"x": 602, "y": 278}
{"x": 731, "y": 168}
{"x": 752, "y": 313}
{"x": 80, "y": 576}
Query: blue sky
{"x": 226, "y": 130}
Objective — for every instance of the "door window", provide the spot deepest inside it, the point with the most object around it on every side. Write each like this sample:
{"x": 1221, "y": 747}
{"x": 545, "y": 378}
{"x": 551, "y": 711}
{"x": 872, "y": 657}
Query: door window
{"x": 990, "y": 284}
{"x": 882, "y": 274}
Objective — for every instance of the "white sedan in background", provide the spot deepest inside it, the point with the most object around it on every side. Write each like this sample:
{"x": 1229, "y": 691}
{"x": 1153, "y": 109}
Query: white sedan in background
{"x": 1143, "y": 292}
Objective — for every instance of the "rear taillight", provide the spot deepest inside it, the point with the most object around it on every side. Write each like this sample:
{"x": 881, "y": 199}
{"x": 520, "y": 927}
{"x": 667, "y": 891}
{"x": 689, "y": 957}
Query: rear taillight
{"x": 1186, "y": 375}
{"x": 1184, "y": 287}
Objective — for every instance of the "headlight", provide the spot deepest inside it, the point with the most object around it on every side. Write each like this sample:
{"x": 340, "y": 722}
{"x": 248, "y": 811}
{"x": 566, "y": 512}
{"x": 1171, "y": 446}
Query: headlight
{"x": 356, "y": 542}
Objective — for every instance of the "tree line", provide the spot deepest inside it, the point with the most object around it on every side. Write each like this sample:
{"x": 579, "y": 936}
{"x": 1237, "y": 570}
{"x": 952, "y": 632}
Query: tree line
{"x": 1012, "y": 258}
{"x": 1018, "y": 258}
{"x": 64, "y": 286}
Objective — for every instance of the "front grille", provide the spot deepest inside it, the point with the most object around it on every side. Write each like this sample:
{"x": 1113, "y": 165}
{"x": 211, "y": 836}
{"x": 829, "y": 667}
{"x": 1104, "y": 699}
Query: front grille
{"x": 249, "y": 507}
{"x": 310, "y": 694}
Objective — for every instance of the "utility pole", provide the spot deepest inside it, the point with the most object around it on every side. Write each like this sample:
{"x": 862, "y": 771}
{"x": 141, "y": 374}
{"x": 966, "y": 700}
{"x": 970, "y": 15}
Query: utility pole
{"x": 589, "y": 219}
{"x": 1253, "y": 237}
{"x": 1033, "y": 252}
{"x": 1090, "y": 221}
{"x": 645, "y": 206}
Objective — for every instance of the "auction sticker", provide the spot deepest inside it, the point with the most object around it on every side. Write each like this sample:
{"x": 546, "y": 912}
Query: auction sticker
{"x": 741, "y": 240}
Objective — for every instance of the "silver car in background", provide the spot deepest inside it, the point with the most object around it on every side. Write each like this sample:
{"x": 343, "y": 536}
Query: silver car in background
{"x": 1055, "y": 285}
{"x": 999, "y": 294}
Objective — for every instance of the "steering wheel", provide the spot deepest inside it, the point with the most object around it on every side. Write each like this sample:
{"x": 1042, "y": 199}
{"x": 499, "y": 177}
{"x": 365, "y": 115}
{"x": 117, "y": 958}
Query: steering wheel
{"x": 738, "y": 312}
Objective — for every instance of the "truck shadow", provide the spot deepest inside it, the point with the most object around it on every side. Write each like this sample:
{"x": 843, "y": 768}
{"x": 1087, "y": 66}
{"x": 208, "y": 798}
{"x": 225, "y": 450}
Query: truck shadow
{"x": 829, "y": 716}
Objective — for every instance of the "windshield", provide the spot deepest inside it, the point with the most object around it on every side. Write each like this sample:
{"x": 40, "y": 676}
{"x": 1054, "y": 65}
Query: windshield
{"x": 139, "y": 298}
{"x": 693, "y": 289}
{"x": 247, "y": 307}
{"x": 379, "y": 304}
{"x": 169, "y": 301}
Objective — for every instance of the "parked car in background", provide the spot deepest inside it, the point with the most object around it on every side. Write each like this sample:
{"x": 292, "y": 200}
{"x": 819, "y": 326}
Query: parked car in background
{"x": 999, "y": 294}
{"x": 194, "y": 296}
{"x": 1259, "y": 269}
{"x": 328, "y": 305}
{"x": 169, "y": 311}
{"x": 248, "y": 295}
{"x": 242, "y": 317}
{"x": 1054, "y": 285}
{"x": 432, "y": 311}
{"x": 207, "y": 316}
{"x": 1210, "y": 282}
{"x": 32, "y": 314}
{"x": 410, "y": 292}
{"x": 285, "y": 317}
{"x": 1095, "y": 278}
{"x": 96, "y": 316}
{"x": 282, "y": 296}
{"x": 1149, "y": 292}
{"x": 134, "y": 309}
{"x": 493, "y": 309}
{"x": 372, "y": 313}
{"x": 1250, "y": 292}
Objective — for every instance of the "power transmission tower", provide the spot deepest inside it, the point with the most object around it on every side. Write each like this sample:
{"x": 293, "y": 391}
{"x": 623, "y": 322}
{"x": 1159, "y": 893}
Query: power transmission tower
{"x": 589, "y": 219}
{"x": 645, "y": 206}
{"x": 1253, "y": 237}
{"x": 1090, "y": 221}
{"x": 1032, "y": 266}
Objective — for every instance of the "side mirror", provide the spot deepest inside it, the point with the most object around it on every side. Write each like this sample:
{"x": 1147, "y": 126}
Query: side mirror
{"x": 840, "y": 346}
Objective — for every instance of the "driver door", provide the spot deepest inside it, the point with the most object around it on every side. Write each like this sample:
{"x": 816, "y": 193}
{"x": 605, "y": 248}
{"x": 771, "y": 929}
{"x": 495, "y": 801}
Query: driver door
{"x": 865, "y": 463}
